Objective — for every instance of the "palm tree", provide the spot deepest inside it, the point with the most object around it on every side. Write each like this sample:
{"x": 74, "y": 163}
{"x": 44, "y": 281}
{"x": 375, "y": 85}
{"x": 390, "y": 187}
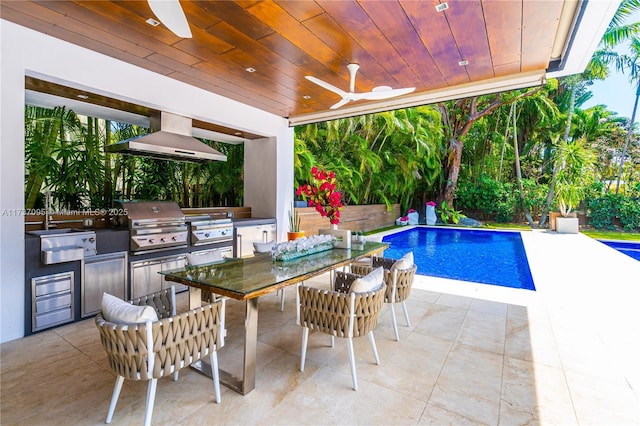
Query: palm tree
{"x": 631, "y": 63}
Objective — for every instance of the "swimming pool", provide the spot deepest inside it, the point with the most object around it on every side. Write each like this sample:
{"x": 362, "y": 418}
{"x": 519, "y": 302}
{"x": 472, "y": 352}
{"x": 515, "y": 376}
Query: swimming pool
{"x": 627, "y": 247}
{"x": 487, "y": 257}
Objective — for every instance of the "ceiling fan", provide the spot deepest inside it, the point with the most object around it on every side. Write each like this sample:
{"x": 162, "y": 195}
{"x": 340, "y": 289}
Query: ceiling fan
{"x": 380, "y": 92}
{"x": 170, "y": 13}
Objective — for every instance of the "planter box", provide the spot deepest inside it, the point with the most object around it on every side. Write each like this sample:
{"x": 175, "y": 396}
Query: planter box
{"x": 567, "y": 225}
{"x": 553, "y": 216}
{"x": 355, "y": 218}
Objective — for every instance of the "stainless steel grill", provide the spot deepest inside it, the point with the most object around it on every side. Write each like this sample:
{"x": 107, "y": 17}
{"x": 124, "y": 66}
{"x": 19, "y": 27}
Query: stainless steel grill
{"x": 207, "y": 229}
{"x": 154, "y": 225}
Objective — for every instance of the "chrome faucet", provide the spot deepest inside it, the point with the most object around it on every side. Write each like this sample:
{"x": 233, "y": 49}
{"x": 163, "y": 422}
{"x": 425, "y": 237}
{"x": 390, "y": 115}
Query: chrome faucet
{"x": 48, "y": 217}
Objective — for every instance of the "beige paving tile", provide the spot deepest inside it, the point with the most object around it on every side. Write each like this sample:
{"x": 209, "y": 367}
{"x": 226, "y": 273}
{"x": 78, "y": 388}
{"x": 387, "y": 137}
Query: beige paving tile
{"x": 534, "y": 394}
{"x": 441, "y": 321}
{"x": 531, "y": 342}
{"x": 484, "y": 330}
{"x": 472, "y": 372}
{"x": 455, "y": 301}
{"x": 603, "y": 401}
{"x": 434, "y": 415}
{"x": 464, "y": 405}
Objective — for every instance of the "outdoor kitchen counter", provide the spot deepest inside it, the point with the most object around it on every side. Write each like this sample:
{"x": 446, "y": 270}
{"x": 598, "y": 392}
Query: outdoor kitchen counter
{"x": 111, "y": 240}
{"x": 254, "y": 221}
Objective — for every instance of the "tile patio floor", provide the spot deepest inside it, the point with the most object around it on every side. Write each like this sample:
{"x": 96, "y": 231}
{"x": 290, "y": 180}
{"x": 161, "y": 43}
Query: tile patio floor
{"x": 475, "y": 354}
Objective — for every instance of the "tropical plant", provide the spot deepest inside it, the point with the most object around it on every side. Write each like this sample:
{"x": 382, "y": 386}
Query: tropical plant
{"x": 458, "y": 117}
{"x": 390, "y": 157}
{"x": 449, "y": 214}
{"x": 294, "y": 219}
{"x": 618, "y": 32}
{"x": 632, "y": 64}
{"x": 574, "y": 164}
{"x": 65, "y": 153}
{"x": 487, "y": 198}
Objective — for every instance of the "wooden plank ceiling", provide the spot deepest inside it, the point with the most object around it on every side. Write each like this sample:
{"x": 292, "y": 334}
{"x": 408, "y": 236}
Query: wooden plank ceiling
{"x": 396, "y": 43}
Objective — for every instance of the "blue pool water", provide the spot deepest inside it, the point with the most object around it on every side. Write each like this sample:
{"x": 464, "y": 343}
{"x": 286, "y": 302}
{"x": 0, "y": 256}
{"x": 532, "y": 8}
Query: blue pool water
{"x": 629, "y": 248}
{"x": 487, "y": 257}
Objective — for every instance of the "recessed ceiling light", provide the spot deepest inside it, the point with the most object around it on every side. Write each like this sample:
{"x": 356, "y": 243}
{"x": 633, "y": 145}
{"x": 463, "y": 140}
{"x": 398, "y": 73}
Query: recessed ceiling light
{"x": 442, "y": 7}
{"x": 250, "y": 69}
{"x": 82, "y": 96}
{"x": 463, "y": 63}
{"x": 306, "y": 97}
{"x": 238, "y": 133}
{"x": 152, "y": 22}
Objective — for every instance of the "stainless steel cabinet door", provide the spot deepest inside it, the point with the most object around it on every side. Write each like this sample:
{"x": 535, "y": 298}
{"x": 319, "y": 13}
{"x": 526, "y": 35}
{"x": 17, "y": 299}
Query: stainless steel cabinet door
{"x": 174, "y": 263}
{"x": 145, "y": 278}
{"x": 105, "y": 273}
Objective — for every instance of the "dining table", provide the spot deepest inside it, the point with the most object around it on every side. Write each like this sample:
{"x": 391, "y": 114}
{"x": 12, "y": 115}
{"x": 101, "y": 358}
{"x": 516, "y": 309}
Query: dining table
{"x": 246, "y": 279}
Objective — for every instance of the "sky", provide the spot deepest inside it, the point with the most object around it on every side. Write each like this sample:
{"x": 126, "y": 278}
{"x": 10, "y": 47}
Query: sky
{"x": 616, "y": 92}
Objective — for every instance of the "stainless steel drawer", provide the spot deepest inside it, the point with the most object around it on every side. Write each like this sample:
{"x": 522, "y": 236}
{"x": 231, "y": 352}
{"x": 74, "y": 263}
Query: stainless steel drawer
{"x": 53, "y": 284}
{"x": 51, "y": 300}
{"x": 51, "y": 303}
{"x": 53, "y": 318}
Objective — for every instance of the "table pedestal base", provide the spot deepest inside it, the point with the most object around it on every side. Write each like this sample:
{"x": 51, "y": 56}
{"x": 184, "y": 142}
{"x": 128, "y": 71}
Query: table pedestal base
{"x": 245, "y": 384}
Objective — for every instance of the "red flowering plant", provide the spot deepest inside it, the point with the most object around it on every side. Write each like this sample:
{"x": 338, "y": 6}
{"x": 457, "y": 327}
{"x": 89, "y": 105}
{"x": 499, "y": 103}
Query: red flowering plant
{"x": 322, "y": 194}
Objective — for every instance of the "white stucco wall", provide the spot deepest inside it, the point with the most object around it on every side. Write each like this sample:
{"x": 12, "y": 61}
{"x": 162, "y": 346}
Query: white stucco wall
{"x": 265, "y": 164}
{"x": 27, "y": 52}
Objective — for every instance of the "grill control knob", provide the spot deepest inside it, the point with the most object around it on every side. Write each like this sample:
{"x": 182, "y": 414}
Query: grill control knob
{"x": 207, "y": 235}
{"x": 174, "y": 239}
{"x": 151, "y": 241}
{"x": 162, "y": 240}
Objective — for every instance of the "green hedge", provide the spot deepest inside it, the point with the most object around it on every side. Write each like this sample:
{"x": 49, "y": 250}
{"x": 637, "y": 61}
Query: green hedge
{"x": 605, "y": 210}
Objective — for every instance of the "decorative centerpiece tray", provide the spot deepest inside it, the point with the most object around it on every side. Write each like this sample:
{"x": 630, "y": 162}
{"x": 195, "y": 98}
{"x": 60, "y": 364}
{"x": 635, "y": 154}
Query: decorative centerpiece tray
{"x": 302, "y": 247}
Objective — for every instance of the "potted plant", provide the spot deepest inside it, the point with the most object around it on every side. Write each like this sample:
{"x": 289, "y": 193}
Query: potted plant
{"x": 294, "y": 225}
{"x": 574, "y": 172}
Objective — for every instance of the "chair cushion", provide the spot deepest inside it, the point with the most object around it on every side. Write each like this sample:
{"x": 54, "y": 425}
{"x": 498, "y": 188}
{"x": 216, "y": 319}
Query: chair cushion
{"x": 369, "y": 282}
{"x": 212, "y": 256}
{"x": 118, "y": 311}
{"x": 263, "y": 247}
{"x": 405, "y": 262}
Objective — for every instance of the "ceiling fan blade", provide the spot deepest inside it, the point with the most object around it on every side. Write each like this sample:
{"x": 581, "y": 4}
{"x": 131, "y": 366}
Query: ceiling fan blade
{"x": 326, "y": 85}
{"x": 170, "y": 13}
{"x": 343, "y": 102}
{"x": 385, "y": 92}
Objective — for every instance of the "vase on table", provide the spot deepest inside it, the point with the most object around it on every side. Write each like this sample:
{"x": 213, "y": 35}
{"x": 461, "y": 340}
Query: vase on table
{"x": 431, "y": 215}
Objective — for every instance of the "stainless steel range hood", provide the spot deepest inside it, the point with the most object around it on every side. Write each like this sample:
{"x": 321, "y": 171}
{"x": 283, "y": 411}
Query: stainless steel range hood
{"x": 170, "y": 140}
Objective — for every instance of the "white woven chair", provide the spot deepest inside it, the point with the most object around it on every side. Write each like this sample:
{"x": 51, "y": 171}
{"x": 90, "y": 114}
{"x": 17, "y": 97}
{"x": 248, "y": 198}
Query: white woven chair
{"x": 398, "y": 281}
{"x": 155, "y": 349}
{"x": 340, "y": 313}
